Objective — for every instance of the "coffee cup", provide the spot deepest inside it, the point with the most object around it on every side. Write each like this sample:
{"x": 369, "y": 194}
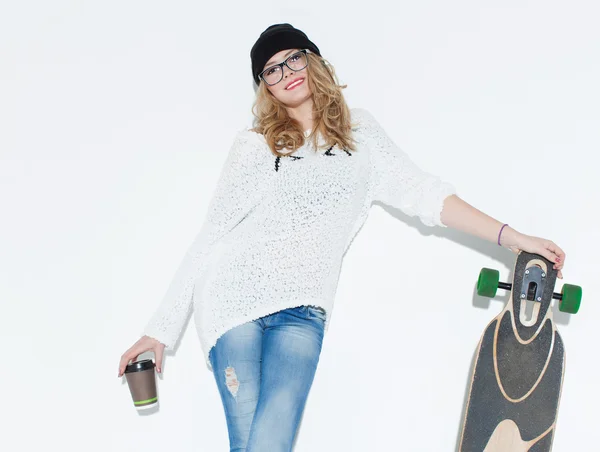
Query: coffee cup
{"x": 141, "y": 380}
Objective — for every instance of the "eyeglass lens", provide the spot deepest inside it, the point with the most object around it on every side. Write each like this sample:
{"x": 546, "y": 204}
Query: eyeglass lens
{"x": 296, "y": 62}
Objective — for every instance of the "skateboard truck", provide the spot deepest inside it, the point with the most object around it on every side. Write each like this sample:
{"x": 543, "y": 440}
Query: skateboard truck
{"x": 532, "y": 288}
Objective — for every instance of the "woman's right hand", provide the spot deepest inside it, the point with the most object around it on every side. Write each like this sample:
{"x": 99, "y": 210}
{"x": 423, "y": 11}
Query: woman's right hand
{"x": 144, "y": 344}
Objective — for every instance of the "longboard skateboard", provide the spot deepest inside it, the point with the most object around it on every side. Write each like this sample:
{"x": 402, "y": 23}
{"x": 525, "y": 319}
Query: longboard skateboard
{"x": 518, "y": 372}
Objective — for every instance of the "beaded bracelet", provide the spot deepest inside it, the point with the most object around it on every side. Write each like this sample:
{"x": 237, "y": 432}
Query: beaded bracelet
{"x": 500, "y": 233}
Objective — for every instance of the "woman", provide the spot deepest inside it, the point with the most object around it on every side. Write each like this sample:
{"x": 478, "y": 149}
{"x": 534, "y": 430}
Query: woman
{"x": 262, "y": 273}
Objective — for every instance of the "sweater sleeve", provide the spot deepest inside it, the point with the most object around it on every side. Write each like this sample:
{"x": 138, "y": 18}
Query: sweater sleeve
{"x": 397, "y": 180}
{"x": 234, "y": 195}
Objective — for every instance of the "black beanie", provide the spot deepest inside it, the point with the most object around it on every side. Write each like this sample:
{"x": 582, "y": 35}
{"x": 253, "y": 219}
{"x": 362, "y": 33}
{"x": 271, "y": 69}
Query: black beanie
{"x": 274, "y": 39}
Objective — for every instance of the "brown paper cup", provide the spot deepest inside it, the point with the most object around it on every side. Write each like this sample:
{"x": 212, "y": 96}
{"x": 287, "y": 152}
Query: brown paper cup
{"x": 141, "y": 379}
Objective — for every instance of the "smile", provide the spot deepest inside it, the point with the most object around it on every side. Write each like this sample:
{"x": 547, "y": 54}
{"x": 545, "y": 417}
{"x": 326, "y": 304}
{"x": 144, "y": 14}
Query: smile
{"x": 295, "y": 83}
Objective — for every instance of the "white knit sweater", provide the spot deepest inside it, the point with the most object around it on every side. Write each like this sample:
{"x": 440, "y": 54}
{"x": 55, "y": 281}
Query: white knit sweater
{"x": 276, "y": 229}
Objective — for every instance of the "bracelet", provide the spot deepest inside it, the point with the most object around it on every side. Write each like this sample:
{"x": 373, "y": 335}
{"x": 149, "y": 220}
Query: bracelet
{"x": 500, "y": 233}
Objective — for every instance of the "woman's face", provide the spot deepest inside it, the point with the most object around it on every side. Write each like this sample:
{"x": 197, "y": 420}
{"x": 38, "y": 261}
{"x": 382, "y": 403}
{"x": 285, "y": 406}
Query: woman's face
{"x": 293, "y": 88}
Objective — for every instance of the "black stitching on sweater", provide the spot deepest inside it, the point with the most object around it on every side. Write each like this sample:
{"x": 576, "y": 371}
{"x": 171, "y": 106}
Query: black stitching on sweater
{"x": 278, "y": 160}
{"x": 328, "y": 152}
{"x": 295, "y": 157}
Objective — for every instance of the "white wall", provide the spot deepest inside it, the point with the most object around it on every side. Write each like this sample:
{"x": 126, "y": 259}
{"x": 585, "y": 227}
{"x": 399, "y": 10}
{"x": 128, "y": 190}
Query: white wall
{"x": 115, "y": 120}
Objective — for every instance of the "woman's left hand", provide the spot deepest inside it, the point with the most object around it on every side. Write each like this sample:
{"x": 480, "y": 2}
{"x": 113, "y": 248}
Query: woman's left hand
{"x": 538, "y": 245}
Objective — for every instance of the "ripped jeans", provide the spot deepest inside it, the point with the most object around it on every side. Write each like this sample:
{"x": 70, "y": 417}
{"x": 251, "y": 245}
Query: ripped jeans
{"x": 264, "y": 370}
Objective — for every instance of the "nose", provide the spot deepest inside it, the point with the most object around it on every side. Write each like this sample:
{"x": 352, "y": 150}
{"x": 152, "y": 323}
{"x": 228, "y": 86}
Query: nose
{"x": 287, "y": 71}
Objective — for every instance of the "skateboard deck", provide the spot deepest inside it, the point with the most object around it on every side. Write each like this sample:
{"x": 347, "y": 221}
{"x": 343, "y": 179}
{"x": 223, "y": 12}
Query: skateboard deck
{"x": 518, "y": 372}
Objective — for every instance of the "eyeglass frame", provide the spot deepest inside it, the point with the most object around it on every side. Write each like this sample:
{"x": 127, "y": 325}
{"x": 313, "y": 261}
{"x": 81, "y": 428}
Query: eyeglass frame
{"x": 304, "y": 51}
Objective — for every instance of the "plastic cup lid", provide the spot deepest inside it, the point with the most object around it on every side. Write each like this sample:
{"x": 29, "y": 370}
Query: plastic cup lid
{"x": 139, "y": 366}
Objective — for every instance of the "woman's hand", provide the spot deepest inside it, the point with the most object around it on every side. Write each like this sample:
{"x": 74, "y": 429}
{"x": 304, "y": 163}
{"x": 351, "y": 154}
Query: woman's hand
{"x": 516, "y": 242}
{"x": 143, "y": 344}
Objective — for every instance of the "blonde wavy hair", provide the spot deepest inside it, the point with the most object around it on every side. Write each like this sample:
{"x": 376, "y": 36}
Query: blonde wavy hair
{"x": 331, "y": 114}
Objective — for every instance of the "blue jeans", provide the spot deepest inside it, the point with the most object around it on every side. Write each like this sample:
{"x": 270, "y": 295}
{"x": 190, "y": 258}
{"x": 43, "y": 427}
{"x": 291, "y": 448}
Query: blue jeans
{"x": 264, "y": 370}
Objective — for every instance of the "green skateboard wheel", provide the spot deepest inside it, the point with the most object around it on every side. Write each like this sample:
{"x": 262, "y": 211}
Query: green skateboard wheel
{"x": 571, "y": 299}
{"x": 487, "y": 284}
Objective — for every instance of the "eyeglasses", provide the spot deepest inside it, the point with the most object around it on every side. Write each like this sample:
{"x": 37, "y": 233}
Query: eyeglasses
{"x": 274, "y": 74}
